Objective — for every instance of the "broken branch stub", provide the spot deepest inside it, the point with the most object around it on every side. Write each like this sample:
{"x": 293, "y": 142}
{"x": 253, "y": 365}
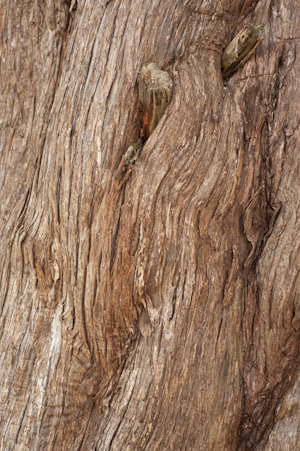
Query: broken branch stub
{"x": 155, "y": 92}
{"x": 241, "y": 48}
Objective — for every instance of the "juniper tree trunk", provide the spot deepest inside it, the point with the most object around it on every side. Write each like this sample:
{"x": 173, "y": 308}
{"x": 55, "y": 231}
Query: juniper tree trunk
{"x": 154, "y": 307}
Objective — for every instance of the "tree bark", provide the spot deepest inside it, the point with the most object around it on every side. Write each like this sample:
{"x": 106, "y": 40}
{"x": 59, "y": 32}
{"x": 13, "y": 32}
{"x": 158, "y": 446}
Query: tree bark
{"x": 154, "y": 307}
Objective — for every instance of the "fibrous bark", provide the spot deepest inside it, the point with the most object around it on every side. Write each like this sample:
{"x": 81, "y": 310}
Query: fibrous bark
{"x": 156, "y": 310}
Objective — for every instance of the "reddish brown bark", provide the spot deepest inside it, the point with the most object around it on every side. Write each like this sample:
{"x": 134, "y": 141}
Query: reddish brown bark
{"x": 153, "y": 307}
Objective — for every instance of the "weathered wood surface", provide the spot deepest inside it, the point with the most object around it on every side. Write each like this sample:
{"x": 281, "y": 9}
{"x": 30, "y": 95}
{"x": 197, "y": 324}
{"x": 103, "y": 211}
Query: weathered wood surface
{"x": 130, "y": 319}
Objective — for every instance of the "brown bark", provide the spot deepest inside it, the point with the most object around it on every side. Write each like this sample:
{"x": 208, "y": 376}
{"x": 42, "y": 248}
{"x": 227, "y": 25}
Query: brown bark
{"x": 156, "y": 307}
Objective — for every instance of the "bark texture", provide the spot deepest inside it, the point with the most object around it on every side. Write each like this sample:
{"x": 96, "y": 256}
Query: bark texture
{"x": 153, "y": 308}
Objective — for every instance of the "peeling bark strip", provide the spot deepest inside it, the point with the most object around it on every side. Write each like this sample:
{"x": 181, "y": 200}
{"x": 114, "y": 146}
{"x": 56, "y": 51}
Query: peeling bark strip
{"x": 155, "y": 91}
{"x": 241, "y": 48}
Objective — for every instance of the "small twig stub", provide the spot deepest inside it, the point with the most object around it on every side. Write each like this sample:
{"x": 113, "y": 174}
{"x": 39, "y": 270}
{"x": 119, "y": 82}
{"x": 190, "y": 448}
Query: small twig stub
{"x": 132, "y": 153}
{"x": 241, "y": 48}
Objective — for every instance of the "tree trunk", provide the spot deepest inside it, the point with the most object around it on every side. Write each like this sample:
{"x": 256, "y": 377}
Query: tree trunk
{"x": 152, "y": 307}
